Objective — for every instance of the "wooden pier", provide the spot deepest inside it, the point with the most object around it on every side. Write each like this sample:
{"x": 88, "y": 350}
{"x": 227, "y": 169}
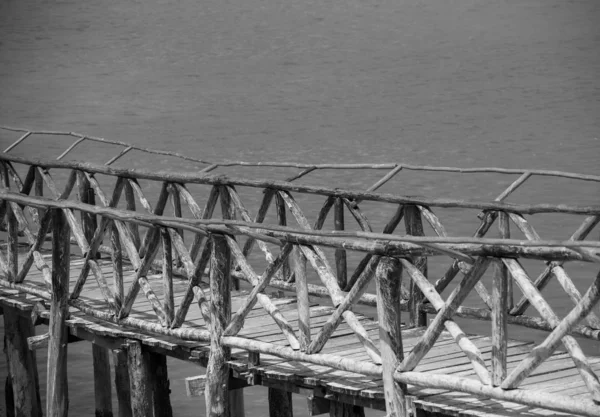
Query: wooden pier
{"x": 230, "y": 291}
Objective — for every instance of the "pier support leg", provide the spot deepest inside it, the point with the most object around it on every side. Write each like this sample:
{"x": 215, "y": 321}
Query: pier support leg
{"x": 57, "y": 398}
{"x": 388, "y": 276}
{"x": 122, "y": 383}
{"x": 139, "y": 380}
{"x": 217, "y": 371}
{"x": 102, "y": 383}
{"x": 345, "y": 410}
{"x": 280, "y": 403}
{"x": 161, "y": 399}
{"x": 23, "y": 393}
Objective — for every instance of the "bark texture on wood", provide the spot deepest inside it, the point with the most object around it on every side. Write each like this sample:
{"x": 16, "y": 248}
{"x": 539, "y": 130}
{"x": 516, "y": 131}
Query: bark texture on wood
{"x": 161, "y": 387}
{"x": 280, "y": 403}
{"x": 414, "y": 227}
{"x": 122, "y": 383}
{"x": 217, "y": 370}
{"x": 139, "y": 380}
{"x": 57, "y": 385}
{"x": 389, "y": 277}
{"x": 22, "y": 367}
{"x": 102, "y": 383}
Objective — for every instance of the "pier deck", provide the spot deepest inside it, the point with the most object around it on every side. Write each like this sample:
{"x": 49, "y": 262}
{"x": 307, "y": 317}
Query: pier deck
{"x": 557, "y": 374}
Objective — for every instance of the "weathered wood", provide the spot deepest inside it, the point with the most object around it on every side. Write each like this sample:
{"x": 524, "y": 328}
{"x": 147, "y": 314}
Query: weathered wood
{"x": 285, "y": 272}
{"x": 122, "y": 386}
{"x": 454, "y": 300}
{"x": 169, "y": 301}
{"x": 530, "y": 397}
{"x": 217, "y": 370}
{"x": 388, "y": 282}
{"x": 317, "y": 405}
{"x": 102, "y": 381}
{"x": 280, "y": 403}
{"x": 140, "y": 379}
{"x": 339, "y": 409}
{"x": 22, "y": 367}
{"x": 299, "y": 262}
{"x": 57, "y": 385}
{"x": 117, "y": 261}
{"x": 308, "y": 189}
{"x": 499, "y": 324}
{"x": 504, "y": 229}
{"x": 161, "y": 401}
{"x": 86, "y": 195}
{"x": 229, "y": 202}
{"x": 572, "y": 346}
{"x": 340, "y": 254}
{"x": 130, "y": 205}
{"x": 414, "y": 226}
{"x": 13, "y": 242}
{"x": 176, "y": 201}
{"x": 153, "y": 300}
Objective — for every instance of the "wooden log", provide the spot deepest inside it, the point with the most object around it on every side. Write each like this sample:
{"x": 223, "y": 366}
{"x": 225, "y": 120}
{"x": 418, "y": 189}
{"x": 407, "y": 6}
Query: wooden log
{"x": 340, "y": 254}
{"x": 499, "y": 324}
{"x": 237, "y": 321}
{"x": 573, "y": 293}
{"x": 102, "y": 381}
{"x": 86, "y": 195}
{"x": 117, "y": 261}
{"x": 389, "y": 279}
{"x": 31, "y": 257}
{"x": 280, "y": 403}
{"x": 571, "y": 345}
{"x": 339, "y": 409}
{"x": 75, "y": 226}
{"x": 260, "y": 217}
{"x": 153, "y": 300}
{"x": 57, "y": 385}
{"x": 140, "y": 379}
{"x": 176, "y": 201}
{"x": 457, "y": 334}
{"x": 217, "y": 370}
{"x": 504, "y": 228}
{"x": 122, "y": 386}
{"x": 545, "y": 349}
{"x": 228, "y": 209}
{"x": 285, "y": 272}
{"x": 13, "y": 243}
{"x": 167, "y": 272}
{"x": 530, "y": 397}
{"x": 103, "y": 285}
{"x": 308, "y": 189}
{"x": 263, "y": 299}
{"x": 130, "y": 205}
{"x": 22, "y": 368}
{"x": 359, "y": 288}
{"x": 161, "y": 401}
{"x": 414, "y": 226}
{"x": 446, "y": 312}
{"x": 303, "y": 299}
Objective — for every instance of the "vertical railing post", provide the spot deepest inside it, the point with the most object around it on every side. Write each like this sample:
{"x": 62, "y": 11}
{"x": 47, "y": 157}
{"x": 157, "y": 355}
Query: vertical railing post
{"x": 87, "y": 196}
{"x": 388, "y": 280}
{"x": 414, "y": 227}
{"x": 501, "y": 303}
{"x": 504, "y": 226}
{"x": 282, "y": 221}
{"x": 57, "y": 396}
{"x": 139, "y": 379}
{"x": 228, "y": 212}
{"x": 217, "y": 370}
{"x": 303, "y": 300}
{"x": 130, "y": 204}
{"x": 12, "y": 227}
{"x": 340, "y": 254}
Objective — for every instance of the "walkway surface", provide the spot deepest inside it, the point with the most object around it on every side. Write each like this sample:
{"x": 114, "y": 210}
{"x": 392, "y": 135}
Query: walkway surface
{"x": 557, "y": 374}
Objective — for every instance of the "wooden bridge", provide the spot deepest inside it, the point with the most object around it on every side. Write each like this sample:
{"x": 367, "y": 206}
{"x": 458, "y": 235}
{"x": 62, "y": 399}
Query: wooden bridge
{"x": 81, "y": 241}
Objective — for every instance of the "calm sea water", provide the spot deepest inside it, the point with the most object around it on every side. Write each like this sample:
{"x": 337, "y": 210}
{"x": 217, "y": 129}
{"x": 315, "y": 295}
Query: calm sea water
{"x": 460, "y": 83}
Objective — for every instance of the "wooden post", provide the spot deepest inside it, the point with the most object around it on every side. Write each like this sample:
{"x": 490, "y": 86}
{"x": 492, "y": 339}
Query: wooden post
{"x": 24, "y": 386}
{"x": 86, "y": 195}
{"x": 389, "y": 277}
{"x": 414, "y": 227}
{"x": 102, "y": 383}
{"x": 217, "y": 370}
{"x": 303, "y": 300}
{"x": 161, "y": 400}
{"x": 130, "y": 201}
{"x": 122, "y": 382}
{"x": 139, "y": 379}
{"x": 340, "y": 254}
{"x": 57, "y": 402}
{"x": 228, "y": 212}
{"x": 280, "y": 403}
{"x": 282, "y": 221}
{"x": 338, "y": 409}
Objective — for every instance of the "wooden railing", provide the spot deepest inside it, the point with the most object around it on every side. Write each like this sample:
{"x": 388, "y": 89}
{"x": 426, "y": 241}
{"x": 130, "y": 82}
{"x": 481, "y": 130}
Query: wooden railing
{"x": 152, "y": 242}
